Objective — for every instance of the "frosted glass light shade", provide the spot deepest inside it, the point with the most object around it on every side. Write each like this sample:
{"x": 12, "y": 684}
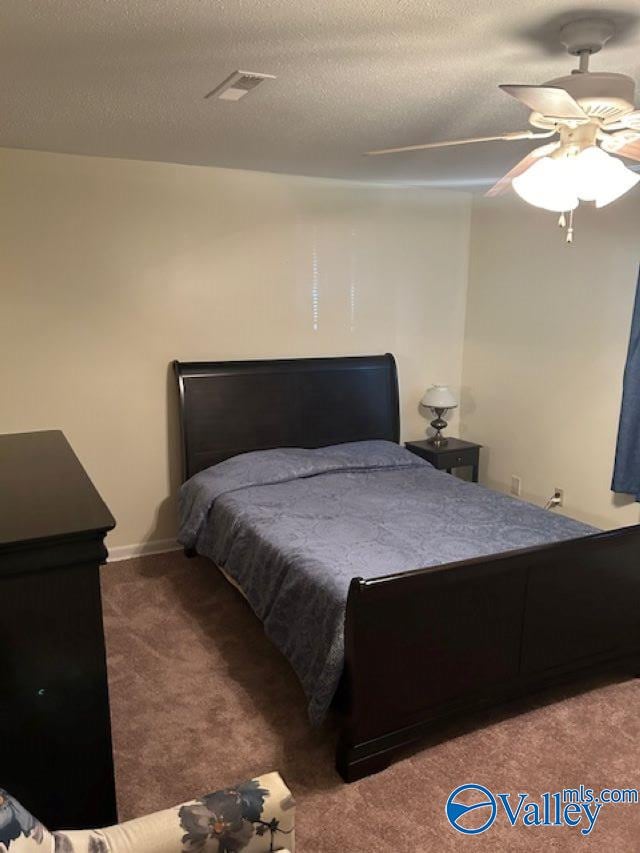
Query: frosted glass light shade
{"x": 601, "y": 177}
{"x": 592, "y": 172}
{"x": 548, "y": 184}
{"x": 439, "y": 397}
{"x": 558, "y": 184}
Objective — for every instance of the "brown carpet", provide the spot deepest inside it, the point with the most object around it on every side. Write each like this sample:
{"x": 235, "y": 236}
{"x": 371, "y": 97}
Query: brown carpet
{"x": 200, "y": 699}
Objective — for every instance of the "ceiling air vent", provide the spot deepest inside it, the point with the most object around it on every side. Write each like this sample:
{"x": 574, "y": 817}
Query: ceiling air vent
{"x": 238, "y": 84}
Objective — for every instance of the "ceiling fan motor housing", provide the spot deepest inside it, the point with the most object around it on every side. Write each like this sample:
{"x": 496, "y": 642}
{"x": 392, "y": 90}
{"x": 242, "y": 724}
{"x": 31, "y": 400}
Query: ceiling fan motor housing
{"x": 586, "y": 35}
{"x": 602, "y": 95}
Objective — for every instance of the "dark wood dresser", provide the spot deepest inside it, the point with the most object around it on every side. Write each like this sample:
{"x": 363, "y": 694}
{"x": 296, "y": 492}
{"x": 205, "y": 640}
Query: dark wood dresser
{"x": 55, "y": 731}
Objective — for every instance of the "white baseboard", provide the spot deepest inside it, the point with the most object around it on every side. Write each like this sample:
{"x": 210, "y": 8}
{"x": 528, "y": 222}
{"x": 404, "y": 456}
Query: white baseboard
{"x": 142, "y": 549}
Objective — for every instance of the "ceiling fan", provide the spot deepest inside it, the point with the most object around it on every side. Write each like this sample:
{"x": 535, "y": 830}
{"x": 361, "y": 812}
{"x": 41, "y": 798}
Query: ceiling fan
{"x": 593, "y": 116}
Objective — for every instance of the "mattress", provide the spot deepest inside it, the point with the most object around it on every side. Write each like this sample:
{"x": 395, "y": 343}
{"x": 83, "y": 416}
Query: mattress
{"x": 292, "y": 527}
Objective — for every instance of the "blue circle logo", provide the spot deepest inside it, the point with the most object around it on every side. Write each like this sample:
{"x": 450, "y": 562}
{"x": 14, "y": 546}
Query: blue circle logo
{"x": 480, "y": 801}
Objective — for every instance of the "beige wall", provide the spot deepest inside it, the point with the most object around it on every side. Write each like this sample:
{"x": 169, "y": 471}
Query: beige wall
{"x": 545, "y": 345}
{"x": 109, "y": 269}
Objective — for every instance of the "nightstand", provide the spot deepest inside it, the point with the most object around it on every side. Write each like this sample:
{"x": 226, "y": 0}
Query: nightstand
{"x": 454, "y": 454}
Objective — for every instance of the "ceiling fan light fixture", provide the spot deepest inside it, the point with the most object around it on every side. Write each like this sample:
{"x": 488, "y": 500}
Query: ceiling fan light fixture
{"x": 559, "y": 183}
{"x": 548, "y": 184}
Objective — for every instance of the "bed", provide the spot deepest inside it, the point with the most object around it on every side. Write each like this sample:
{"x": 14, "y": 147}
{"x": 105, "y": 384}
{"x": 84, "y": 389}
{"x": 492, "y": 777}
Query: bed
{"x": 524, "y": 600}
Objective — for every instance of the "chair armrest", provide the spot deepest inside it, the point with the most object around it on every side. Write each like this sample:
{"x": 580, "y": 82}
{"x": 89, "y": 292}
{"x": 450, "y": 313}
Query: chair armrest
{"x": 251, "y": 816}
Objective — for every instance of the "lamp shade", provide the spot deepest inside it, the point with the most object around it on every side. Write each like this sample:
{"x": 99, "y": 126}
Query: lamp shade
{"x": 439, "y": 397}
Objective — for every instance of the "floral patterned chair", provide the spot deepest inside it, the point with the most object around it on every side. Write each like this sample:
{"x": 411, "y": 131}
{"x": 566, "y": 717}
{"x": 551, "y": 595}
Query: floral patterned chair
{"x": 255, "y": 817}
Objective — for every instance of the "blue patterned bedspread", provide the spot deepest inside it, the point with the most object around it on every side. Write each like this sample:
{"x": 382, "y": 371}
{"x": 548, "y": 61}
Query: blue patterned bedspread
{"x": 292, "y": 527}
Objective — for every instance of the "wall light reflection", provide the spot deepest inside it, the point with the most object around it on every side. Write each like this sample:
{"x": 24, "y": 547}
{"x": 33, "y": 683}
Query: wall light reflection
{"x": 352, "y": 283}
{"x": 315, "y": 285}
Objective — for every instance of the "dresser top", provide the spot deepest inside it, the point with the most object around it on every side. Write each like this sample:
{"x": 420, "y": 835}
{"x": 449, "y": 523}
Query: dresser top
{"x": 45, "y": 493}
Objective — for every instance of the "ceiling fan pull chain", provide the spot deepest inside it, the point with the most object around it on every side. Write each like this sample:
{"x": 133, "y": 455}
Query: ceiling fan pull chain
{"x": 562, "y": 221}
{"x": 570, "y": 228}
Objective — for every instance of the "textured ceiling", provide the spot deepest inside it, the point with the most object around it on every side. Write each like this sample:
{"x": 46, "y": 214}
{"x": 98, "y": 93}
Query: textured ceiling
{"x": 127, "y": 79}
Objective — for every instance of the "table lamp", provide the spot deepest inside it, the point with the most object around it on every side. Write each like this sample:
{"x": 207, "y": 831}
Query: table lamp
{"x": 439, "y": 399}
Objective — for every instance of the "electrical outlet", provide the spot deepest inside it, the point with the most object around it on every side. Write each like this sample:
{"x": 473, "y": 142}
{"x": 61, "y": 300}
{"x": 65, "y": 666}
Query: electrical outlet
{"x": 516, "y": 485}
{"x": 559, "y": 495}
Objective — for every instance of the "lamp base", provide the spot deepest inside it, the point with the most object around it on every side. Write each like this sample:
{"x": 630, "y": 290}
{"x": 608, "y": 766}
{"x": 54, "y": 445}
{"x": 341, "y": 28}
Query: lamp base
{"x": 438, "y": 441}
{"x": 438, "y": 424}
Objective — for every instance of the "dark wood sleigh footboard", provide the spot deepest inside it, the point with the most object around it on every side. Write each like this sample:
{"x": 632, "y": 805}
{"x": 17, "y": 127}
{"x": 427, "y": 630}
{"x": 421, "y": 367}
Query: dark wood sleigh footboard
{"x": 423, "y": 646}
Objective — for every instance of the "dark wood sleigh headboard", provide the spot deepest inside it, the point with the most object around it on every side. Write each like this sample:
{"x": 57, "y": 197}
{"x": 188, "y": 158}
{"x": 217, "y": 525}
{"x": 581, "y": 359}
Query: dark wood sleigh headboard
{"x": 231, "y": 407}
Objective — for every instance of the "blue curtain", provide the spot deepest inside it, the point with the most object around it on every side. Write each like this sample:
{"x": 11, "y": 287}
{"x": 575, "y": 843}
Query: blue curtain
{"x": 626, "y": 474}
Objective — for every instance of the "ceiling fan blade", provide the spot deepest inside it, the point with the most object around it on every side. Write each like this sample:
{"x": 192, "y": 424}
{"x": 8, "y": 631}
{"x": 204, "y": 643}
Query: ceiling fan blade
{"x": 624, "y": 143}
{"x": 501, "y": 186}
{"x": 518, "y": 134}
{"x": 548, "y": 100}
{"x": 630, "y": 120}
